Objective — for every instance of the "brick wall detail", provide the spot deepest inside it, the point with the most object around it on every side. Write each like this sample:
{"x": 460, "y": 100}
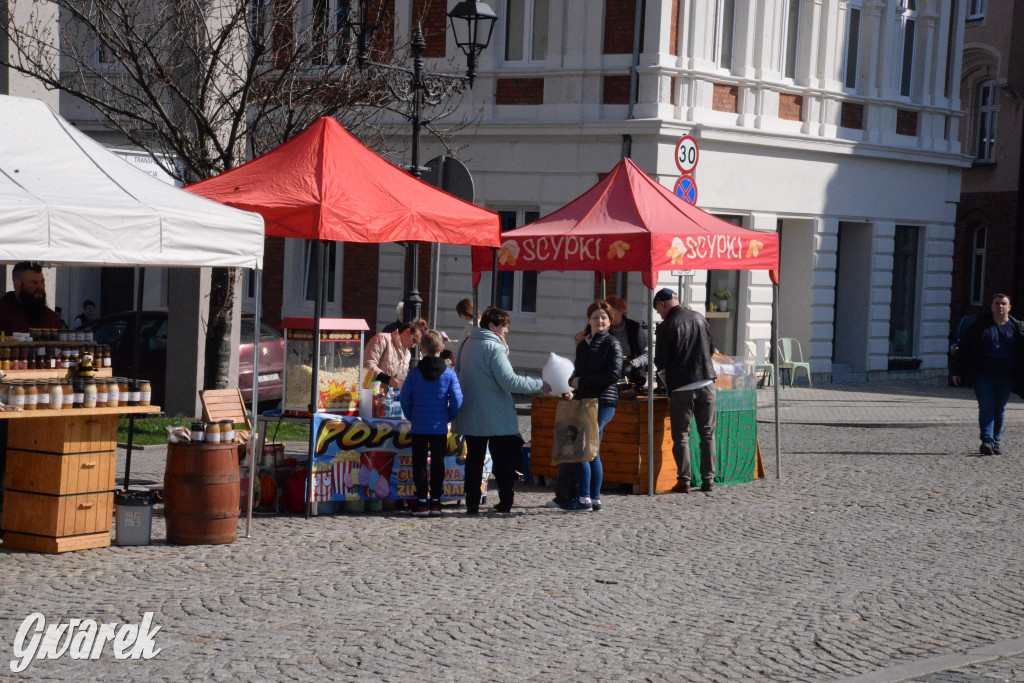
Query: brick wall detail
{"x": 520, "y": 91}
{"x": 906, "y": 122}
{"x": 851, "y": 115}
{"x": 273, "y": 280}
{"x": 361, "y": 270}
{"x": 619, "y": 19}
{"x": 615, "y": 90}
{"x": 791, "y": 107}
{"x": 997, "y": 211}
{"x": 673, "y": 31}
{"x": 725, "y": 98}
{"x": 431, "y": 14}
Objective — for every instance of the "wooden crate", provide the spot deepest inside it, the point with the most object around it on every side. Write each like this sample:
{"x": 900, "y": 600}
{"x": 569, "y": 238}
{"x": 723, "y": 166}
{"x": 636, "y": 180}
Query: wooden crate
{"x": 623, "y": 448}
{"x": 60, "y": 475}
{"x": 60, "y": 479}
{"x": 75, "y": 433}
{"x": 55, "y": 516}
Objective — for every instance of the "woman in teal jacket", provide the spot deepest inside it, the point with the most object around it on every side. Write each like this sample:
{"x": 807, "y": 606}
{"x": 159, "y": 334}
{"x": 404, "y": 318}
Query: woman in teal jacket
{"x": 488, "y": 415}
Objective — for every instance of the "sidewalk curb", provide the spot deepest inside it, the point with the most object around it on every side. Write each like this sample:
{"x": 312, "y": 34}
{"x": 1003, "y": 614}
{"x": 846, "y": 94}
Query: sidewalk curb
{"x": 933, "y": 665}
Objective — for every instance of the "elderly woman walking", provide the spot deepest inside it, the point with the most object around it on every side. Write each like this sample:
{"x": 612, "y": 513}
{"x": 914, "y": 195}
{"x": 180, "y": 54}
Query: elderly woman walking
{"x": 488, "y": 416}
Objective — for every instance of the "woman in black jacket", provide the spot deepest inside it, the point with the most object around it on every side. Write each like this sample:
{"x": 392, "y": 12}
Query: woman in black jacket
{"x": 597, "y": 370}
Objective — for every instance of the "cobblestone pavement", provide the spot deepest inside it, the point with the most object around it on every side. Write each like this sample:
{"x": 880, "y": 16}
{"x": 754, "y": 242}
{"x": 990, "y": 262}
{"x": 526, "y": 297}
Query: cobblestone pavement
{"x": 885, "y": 553}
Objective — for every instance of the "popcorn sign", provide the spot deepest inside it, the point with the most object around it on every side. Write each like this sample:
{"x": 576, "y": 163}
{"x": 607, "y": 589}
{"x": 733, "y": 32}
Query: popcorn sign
{"x": 359, "y": 459}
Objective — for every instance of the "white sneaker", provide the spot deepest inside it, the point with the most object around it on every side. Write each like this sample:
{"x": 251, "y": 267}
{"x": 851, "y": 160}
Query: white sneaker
{"x": 552, "y": 504}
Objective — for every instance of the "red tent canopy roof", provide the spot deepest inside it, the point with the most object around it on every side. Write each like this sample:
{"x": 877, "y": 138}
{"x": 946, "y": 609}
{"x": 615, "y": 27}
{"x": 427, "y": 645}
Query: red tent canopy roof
{"x": 630, "y": 222}
{"x": 325, "y": 184}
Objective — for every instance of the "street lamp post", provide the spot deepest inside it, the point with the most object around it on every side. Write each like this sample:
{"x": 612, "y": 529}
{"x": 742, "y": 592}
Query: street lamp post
{"x": 472, "y": 23}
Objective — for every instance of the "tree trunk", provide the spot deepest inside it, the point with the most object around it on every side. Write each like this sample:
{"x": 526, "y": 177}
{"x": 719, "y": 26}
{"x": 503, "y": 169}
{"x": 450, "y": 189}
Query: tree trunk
{"x": 218, "y": 336}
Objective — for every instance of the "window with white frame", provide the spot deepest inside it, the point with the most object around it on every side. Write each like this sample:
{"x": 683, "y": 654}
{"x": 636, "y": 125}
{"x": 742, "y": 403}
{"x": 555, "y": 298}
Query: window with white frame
{"x": 903, "y": 304}
{"x": 725, "y": 19}
{"x": 908, "y": 20}
{"x": 517, "y": 291}
{"x": 975, "y": 9}
{"x": 852, "y": 47}
{"x": 978, "y": 266}
{"x": 309, "y": 271}
{"x": 318, "y": 29}
{"x": 526, "y": 30}
{"x": 986, "y": 111}
{"x": 790, "y": 33}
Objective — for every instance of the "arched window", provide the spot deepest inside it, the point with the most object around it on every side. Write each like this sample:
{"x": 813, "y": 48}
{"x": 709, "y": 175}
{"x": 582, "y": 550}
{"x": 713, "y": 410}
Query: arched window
{"x": 978, "y": 266}
{"x": 986, "y": 111}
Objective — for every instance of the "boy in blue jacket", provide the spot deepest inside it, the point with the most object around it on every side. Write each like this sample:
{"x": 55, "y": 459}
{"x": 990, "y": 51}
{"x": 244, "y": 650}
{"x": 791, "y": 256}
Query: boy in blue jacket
{"x": 431, "y": 398}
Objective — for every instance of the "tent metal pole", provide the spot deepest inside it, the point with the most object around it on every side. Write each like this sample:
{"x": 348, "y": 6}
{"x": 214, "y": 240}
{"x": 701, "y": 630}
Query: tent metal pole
{"x": 435, "y": 280}
{"x": 494, "y": 277}
{"x": 321, "y": 277}
{"x": 775, "y": 381}
{"x": 650, "y": 396}
{"x": 140, "y": 292}
{"x": 254, "y": 403}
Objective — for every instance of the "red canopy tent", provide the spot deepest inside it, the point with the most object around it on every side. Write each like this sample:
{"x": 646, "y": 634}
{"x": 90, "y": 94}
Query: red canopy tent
{"x": 325, "y": 185}
{"x": 630, "y": 222}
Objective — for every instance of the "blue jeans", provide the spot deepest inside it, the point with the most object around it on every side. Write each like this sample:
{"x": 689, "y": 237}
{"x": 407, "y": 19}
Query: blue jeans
{"x": 590, "y": 474}
{"x": 992, "y": 396}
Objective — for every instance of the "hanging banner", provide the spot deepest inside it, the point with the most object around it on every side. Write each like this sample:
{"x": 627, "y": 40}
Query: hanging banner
{"x": 371, "y": 459}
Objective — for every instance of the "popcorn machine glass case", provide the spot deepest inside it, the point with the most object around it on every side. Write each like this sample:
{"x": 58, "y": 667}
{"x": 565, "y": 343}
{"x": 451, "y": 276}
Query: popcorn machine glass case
{"x": 341, "y": 360}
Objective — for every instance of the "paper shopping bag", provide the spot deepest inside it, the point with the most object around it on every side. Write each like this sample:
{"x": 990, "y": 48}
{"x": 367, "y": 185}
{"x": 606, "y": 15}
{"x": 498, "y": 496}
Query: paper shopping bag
{"x": 576, "y": 433}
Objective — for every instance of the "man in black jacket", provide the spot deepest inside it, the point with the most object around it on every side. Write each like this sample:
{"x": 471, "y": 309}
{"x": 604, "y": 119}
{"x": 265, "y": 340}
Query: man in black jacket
{"x": 991, "y": 357}
{"x": 682, "y": 355}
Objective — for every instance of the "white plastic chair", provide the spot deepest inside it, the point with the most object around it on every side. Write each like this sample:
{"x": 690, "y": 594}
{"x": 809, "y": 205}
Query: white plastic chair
{"x": 758, "y": 350}
{"x": 788, "y": 362}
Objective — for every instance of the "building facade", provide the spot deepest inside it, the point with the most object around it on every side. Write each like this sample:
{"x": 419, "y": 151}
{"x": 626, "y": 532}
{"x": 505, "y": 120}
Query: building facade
{"x": 836, "y": 124}
{"x": 987, "y": 257}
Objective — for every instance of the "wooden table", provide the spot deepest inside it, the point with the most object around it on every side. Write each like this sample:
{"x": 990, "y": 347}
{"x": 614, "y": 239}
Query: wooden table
{"x": 60, "y": 477}
{"x": 624, "y": 446}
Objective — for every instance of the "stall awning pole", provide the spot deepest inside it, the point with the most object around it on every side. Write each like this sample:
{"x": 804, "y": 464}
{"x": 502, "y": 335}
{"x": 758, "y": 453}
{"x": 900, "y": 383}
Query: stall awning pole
{"x": 650, "y": 396}
{"x": 775, "y": 381}
{"x": 254, "y": 404}
{"x": 321, "y": 275}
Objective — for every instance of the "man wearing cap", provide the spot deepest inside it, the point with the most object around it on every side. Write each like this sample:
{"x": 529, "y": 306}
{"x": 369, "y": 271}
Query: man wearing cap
{"x": 25, "y": 307}
{"x": 682, "y": 355}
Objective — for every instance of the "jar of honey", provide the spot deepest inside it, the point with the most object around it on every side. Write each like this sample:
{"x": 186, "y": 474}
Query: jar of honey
{"x": 56, "y": 393}
{"x": 213, "y": 432}
{"x": 89, "y": 393}
{"x": 145, "y": 392}
{"x": 68, "y": 394}
{"x": 101, "y": 392}
{"x": 31, "y": 397}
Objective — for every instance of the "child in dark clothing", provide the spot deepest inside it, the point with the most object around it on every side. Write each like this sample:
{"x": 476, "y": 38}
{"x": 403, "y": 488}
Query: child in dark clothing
{"x": 431, "y": 398}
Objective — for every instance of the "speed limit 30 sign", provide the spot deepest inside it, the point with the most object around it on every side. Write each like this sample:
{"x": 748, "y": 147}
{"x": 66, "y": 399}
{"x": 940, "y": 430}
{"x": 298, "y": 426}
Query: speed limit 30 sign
{"x": 687, "y": 154}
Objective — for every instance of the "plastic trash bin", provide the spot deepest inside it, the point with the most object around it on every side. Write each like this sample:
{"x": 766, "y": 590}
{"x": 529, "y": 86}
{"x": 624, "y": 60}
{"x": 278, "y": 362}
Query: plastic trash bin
{"x": 134, "y": 518}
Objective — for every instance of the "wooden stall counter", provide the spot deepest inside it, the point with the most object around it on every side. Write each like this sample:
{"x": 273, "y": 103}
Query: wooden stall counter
{"x": 60, "y": 477}
{"x": 624, "y": 446}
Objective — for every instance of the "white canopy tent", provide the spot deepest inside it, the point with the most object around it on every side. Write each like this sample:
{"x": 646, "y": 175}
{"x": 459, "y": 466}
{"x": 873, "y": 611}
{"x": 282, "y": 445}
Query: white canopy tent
{"x": 65, "y": 200}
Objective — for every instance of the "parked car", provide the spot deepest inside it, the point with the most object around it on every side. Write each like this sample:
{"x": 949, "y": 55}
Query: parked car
{"x": 117, "y": 330}
{"x": 961, "y": 329}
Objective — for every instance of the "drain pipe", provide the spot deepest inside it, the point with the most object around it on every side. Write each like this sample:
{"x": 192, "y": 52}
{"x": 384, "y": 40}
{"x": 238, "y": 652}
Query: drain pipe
{"x": 634, "y": 77}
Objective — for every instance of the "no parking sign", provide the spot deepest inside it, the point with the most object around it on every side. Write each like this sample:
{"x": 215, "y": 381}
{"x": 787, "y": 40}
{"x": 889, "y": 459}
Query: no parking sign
{"x": 686, "y": 189}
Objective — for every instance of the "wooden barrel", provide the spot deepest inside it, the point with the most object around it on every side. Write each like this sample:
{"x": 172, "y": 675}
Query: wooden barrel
{"x": 201, "y": 488}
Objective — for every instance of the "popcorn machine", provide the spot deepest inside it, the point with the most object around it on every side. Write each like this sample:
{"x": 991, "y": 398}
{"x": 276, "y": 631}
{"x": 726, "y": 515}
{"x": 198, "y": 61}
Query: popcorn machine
{"x": 340, "y": 364}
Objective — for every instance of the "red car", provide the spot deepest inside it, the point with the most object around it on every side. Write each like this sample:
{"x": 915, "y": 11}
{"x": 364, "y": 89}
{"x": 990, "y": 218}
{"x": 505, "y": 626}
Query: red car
{"x": 116, "y": 330}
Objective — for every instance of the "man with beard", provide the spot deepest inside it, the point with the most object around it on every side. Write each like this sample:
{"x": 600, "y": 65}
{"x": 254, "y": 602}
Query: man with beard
{"x": 25, "y": 307}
